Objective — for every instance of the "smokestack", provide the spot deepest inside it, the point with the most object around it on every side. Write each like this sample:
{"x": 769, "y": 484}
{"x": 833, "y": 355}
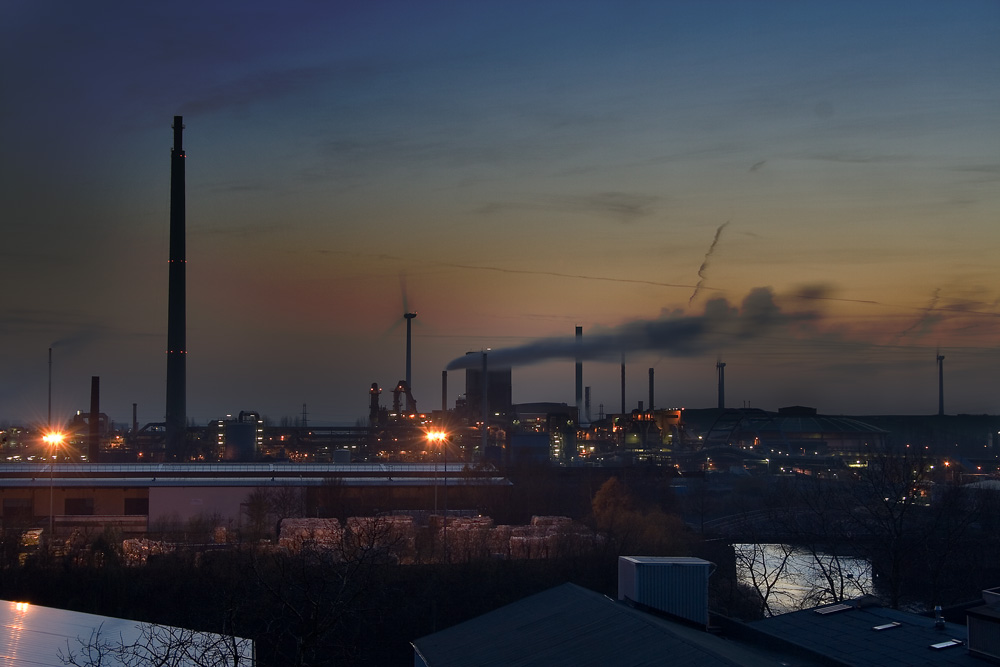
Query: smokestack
{"x": 409, "y": 321}
{"x": 720, "y": 368}
{"x": 135, "y": 419}
{"x": 444, "y": 391}
{"x": 579, "y": 375}
{"x": 373, "y": 404}
{"x": 49, "y": 422}
{"x": 940, "y": 361}
{"x": 623, "y": 384}
{"x": 650, "y": 389}
{"x": 485, "y": 407}
{"x": 176, "y": 415}
{"x": 586, "y": 402}
{"x": 94, "y": 437}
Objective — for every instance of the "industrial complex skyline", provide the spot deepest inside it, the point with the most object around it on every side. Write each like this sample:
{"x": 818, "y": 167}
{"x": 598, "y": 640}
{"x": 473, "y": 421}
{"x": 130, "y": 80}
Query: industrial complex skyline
{"x": 806, "y": 191}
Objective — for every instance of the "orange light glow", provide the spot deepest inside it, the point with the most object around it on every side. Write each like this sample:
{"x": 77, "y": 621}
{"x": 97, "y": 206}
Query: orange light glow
{"x": 436, "y": 436}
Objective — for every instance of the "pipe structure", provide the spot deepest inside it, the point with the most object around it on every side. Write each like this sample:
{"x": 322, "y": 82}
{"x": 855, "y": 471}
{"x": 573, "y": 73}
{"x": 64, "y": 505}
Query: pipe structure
{"x": 176, "y": 413}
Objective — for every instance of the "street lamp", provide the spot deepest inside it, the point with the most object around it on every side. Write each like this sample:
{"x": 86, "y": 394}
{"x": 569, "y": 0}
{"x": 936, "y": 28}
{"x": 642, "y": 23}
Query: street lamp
{"x": 440, "y": 439}
{"x": 53, "y": 439}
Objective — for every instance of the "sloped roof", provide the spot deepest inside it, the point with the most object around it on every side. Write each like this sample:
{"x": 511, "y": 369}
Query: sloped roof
{"x": 852, "y": 636}
{"x": 570, "y": 625}
{"x": 34, "y": 636}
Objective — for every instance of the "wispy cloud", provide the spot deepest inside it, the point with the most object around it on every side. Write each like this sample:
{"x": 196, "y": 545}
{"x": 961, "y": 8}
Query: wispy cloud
{"x": 257, "y": 87}
{"x": 500, "y": 269}
{"x": 623, "y": 206}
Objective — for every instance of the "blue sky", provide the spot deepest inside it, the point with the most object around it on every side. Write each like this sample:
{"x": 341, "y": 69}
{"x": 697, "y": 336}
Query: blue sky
{"x": 517, "y": 169}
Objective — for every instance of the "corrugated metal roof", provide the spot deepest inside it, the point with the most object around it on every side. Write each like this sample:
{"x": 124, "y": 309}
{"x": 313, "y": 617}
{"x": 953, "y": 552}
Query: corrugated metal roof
{"x": 34, "y": 636}
{"x": 569, "y": 625}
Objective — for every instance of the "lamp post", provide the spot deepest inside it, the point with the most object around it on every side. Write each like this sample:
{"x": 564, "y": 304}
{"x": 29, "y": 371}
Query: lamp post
{"x": 440, "y": 438}
{"x": 444, "y": 535}
{"x": 54, "y": 439}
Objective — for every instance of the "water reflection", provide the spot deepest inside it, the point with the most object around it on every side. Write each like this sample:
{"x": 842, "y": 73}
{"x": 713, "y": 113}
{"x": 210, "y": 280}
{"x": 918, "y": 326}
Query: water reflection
{"x": 789, "y": 578}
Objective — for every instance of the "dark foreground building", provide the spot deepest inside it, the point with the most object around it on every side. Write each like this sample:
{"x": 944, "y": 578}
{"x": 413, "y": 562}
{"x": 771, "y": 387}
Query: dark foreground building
{"x": 659, "y": 619}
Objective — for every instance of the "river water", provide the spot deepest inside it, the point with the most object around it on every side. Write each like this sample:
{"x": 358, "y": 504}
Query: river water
{"x": 792, "y": 578}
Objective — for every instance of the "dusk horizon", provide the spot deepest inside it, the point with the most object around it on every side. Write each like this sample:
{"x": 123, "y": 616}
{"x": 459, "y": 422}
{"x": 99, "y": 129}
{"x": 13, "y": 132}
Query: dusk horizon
{"x": 805, "y": 192}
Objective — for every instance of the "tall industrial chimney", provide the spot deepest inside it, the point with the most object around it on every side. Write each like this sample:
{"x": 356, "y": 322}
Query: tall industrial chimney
{"x": 623, "y": 384}
{"x": 176, "y": 416}
{"x": 720, "y": 369}
{"x": 485, "y": 405}
{"x": 94, "y": 435}
{"x": 586, "y": 403}
{"x": 444, "y": 391}
{"x": 650, "y": 389}
{"x": 48, "y": 424}
{"x": 579, "y": 376}
{"x": 940, "y": 361}
{"x": 409, "y": 321}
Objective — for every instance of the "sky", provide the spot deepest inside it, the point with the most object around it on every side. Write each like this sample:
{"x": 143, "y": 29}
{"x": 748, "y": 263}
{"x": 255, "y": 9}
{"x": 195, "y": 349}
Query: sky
{"x": 807, "y": 191}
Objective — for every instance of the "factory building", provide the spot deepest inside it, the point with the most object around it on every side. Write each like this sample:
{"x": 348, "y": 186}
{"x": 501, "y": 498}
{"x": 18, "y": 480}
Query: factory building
{"x": 498, "y": 392}
{"x": 134, "y": 497}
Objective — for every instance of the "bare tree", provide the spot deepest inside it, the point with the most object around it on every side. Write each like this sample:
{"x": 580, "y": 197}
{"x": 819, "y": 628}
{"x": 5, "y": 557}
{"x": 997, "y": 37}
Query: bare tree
{"x": 885, "y": 513}
{"x": 889, "y": 514}
{"x": 159, "y": 646}
{"x": 765, "y": 568}
{"x": 312, "y": 596}
{"x": 814, "y": 518}
{"x": 264, "y": 509}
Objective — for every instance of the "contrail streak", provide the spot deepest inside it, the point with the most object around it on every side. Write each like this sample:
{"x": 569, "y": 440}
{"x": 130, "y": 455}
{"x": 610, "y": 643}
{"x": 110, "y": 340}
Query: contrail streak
{"x": 704, "y": 262}
{"x": 926, "y": 316}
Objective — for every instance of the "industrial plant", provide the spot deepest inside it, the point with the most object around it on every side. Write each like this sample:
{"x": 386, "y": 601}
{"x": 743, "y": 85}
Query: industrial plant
{"x": 481, "y": 479}
{"x": 93, "y": 467}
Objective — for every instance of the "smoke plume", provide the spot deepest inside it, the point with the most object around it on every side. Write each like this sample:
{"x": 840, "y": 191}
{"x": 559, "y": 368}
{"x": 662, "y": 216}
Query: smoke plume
{"x": 674, "y": 334}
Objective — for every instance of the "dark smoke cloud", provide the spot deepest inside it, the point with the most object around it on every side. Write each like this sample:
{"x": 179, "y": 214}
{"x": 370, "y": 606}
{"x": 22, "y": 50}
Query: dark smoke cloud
{"x": 704, "y": 262}
{"x": 674, "y": 334}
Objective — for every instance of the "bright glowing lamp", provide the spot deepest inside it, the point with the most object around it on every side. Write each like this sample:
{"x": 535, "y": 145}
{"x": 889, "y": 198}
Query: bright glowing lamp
{"x": 54, "y": 439}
